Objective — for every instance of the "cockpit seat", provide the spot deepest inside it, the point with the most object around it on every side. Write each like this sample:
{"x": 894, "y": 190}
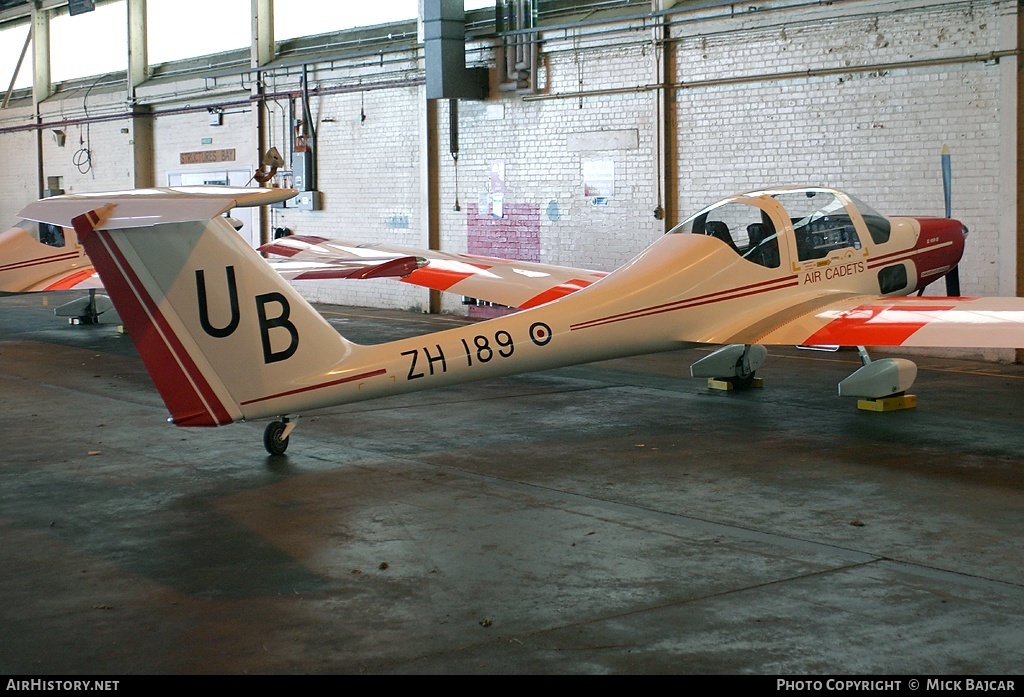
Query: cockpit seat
{"x": 764, "y": 247}
{"x": 719, "y": 230}
{"x": 757, "y": 233}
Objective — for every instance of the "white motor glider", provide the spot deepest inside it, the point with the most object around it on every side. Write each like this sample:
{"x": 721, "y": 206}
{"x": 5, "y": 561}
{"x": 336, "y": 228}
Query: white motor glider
{"x": 226, "y": 338}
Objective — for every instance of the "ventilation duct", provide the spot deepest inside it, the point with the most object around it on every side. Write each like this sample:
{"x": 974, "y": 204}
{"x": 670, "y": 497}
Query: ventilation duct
{"x": 444, "y": 47}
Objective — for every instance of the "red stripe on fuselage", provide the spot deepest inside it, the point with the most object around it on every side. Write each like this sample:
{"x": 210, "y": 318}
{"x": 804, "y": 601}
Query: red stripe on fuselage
{"x": 351, "y": 378}
{"x": 697, "y": 301}
{"x": 186, "y": 392}
{"x": 905, "y": 255}
{"x": 66, "y": 256}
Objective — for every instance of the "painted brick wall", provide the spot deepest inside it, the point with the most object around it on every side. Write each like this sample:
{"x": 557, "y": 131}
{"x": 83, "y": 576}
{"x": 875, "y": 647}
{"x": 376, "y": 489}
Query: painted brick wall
{"x": 186, "y": 133}
{"x": 18, "y": 173}
{"x": 95, "y": 156}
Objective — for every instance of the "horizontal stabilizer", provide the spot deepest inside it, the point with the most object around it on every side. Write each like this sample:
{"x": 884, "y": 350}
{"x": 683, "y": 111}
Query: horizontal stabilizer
{"x": 146, "y": 207}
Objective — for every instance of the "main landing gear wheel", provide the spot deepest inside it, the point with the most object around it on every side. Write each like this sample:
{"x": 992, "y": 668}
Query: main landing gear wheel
{"x": 742, "y": 382}
{"x": 274, "y": 438}
{"x": 731, "y": 367}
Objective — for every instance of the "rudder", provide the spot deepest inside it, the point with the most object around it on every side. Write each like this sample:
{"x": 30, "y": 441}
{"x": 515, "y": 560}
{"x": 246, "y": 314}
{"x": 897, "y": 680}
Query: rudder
{"x": 216, "y": 327}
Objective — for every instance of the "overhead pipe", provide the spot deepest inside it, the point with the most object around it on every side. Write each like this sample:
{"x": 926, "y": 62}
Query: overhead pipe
{"x": 505, "y": 13}
{"x": 664, "y": 117}
{"x": 520, "y": 39}
{"x": 534, "y": 48}
{"x": 234, "y": 104}
{"x": 515, "y": 25}
{"x": 635, "y": 89}
{"x": 501, "y": 49}
{"x": 991, "y": 57}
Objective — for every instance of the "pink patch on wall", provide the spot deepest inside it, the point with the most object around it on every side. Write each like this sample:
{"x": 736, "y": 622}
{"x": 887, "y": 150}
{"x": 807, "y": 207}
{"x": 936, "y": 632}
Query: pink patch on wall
{"x": 516, "y": 235}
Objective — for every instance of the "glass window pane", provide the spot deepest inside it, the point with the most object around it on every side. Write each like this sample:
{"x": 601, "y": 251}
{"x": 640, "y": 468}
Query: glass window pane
{"x": 89, "y": 44}
{"x": 12, "y": 40}
{"x": 308, "y": 17}
{"x": 180, "y": 29}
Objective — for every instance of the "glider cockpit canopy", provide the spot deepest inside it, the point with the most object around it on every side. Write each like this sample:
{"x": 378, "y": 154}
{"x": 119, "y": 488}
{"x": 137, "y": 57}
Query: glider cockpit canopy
{"x": 820, "y": 221}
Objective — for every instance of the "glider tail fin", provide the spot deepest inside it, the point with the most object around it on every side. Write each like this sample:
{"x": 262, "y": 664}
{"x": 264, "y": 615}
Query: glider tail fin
{"x": 222, "y": 335}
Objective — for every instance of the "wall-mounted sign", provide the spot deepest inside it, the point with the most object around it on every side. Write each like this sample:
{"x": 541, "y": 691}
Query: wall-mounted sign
{"x": 598, "y": 178}
{"x": 498, "y": 177}
{"x": 498, "y": 205}
{"x": 202, "y": 157}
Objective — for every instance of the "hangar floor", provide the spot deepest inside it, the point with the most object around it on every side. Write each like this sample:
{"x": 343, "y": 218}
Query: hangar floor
{"x": 610, "y": 518}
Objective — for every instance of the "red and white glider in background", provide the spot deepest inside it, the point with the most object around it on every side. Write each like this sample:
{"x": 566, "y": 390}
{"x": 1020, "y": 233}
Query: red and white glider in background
{"x": 39, "y": 256}
{"x": 226, "y": 338}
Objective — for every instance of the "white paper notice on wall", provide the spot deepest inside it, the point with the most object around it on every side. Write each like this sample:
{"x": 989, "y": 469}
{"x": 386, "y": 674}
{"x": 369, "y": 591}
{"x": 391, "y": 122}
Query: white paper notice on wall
{"x": 598, "y": 178}
{"x": 497, "y": 177}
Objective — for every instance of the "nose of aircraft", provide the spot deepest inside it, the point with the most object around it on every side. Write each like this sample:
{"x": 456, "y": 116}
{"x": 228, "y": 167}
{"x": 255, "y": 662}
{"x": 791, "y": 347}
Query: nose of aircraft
{"x": 940, "y": 247}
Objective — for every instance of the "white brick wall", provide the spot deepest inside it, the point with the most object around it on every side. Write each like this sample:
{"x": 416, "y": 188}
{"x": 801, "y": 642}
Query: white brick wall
{"x": 185, "y": 133}
{"x": 102, "y": 149}
{"x": 18, "y": 179}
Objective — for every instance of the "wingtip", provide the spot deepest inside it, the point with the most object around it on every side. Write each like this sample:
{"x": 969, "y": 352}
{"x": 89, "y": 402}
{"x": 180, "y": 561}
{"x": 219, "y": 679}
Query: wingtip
{"x": 87, "y": 222}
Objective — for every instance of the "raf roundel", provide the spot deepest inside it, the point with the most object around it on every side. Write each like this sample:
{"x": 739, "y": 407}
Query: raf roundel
{"x": 540, "y": 333}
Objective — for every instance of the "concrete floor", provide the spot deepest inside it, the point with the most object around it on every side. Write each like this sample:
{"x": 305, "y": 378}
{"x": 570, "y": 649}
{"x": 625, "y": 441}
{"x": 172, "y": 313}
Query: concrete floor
{"x": 611, "y": 518}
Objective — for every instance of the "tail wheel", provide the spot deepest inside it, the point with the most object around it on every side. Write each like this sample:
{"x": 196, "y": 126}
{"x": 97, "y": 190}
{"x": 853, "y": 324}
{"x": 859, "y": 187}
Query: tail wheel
{"x": 274, "y": 439}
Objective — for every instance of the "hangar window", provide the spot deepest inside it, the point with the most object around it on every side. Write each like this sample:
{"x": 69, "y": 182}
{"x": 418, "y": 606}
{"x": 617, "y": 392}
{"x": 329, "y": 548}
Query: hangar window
{"x": 335, "y": 16}
{"x": 180, "y": 29}
{"x": 12, "y": 40}
{"x": 332, "y": 15}
{"x": 76, "y": 47}
{"x": 746, "y": 229}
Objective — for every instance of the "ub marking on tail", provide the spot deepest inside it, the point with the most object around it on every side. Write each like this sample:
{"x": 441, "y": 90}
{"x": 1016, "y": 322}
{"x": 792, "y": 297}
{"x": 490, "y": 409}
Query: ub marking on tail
{"x": 266, "y": 321}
